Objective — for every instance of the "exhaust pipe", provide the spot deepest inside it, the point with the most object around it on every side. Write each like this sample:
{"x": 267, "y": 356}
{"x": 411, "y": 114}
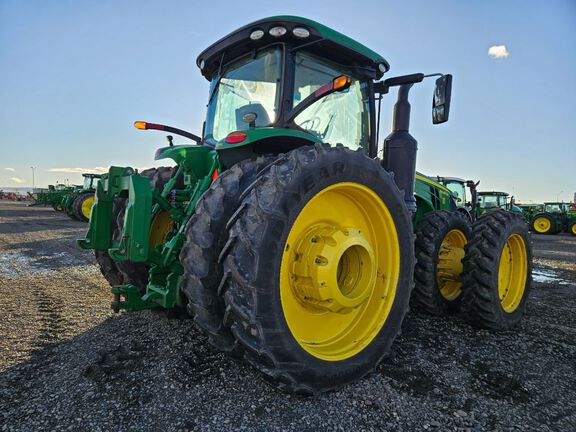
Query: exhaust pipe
{"x": 400, "y": 148}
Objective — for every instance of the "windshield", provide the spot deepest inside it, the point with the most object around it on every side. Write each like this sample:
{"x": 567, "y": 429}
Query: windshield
{"x": 341, "y": 117}
{"x": 245, "y": 95}
{"x": 88, "y": 182}
{"x": 458, "y": 192}
{"x": 554, "y": 208}
{"x": 491, "y": 201}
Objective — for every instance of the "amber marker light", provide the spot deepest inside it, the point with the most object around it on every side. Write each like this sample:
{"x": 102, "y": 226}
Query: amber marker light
{"x": 140, "y": 125}
{"x": 342, "y": 82}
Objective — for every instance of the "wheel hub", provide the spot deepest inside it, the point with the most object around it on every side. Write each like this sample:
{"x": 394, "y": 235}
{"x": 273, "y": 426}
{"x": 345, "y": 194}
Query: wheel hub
{"x": 335, "y": 268}
{"x": 449, "y": 269}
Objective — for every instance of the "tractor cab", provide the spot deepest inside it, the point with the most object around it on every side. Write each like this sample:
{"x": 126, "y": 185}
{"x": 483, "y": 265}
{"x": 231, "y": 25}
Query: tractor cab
{"x": 555, "y": 207}
{"x": 90, "y": 181}
{"x": 490, "y": 201}
{"x": 457, "y": 186}
{"x": 293, "y": 78}
{"x": 493, "y": 200}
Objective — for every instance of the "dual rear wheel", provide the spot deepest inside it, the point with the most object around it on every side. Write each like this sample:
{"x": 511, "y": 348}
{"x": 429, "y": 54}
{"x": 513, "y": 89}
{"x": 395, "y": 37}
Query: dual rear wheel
{"x": 484, "y": 271}
{"x": 314, "y": 270}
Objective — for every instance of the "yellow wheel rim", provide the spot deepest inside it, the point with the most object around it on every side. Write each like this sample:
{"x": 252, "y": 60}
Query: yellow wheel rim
{"x": 542, "y": 225}
{"x": 449, "y": 270}
{"x": 512, "y": 273}
{"x": 87, "y": 207}
{"x": 59, "y": 207}
{"x": 159, "y": 227}
{"x": 573, "y": 229}
{"x": 339, "y": 271}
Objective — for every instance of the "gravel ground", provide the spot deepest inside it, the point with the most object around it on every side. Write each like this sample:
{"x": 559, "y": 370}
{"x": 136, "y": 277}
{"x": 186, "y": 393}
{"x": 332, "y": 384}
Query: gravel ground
{"x": 68, "y": 363}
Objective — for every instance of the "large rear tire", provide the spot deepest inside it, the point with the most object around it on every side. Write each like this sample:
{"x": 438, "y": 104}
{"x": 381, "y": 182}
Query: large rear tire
{"x": 440, "y": 240}
{"x": 206, "y": 235}
{"x": 497, "y": 271}
{"x": 318, "y": 269}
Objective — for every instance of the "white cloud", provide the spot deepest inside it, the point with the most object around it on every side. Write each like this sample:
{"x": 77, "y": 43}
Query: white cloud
{"x": 17, "y": 180}
{"x": 96, "y": 170}
{"x": 10, "y": 169}
{"x": 498, "y": 51}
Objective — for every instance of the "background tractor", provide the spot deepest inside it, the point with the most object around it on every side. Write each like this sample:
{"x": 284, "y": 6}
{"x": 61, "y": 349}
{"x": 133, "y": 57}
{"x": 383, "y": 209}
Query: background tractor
{"x": 490, "y": 201}
{"x": 529, "y": 210}
{"x": 78, "y": 203}
{"x": 53, "y": 196}
{"x": 457, "y": 187}
{"x": 285, "y": 237}
{"x": 553, "y": 218}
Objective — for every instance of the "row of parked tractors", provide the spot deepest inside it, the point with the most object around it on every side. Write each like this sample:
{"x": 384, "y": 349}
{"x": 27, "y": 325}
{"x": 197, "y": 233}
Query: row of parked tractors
{"x": 75, "y": 201}
{"x": 282, "y": 231}
{"x": 546, "y": 218}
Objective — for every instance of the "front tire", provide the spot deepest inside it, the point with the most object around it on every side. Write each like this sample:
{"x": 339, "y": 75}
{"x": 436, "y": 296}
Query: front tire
{"x": 318, "y": 269}
{"x": 497, "y": 271}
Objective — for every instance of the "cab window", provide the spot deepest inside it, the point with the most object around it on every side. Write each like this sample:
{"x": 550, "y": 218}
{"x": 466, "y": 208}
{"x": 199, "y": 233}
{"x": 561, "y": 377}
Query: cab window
{"x": 341, "y": 117}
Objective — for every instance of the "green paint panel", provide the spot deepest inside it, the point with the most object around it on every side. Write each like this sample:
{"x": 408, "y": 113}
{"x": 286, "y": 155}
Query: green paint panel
{"x": 258, "y": 134}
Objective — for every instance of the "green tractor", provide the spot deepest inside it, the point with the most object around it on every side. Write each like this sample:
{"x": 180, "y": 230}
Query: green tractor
{"x": 457, "y": 187}
{"x": 491, "y": 201}
{"x": 529, "y": 210}
{"x": 53, "y": 196}
{"x": 77, "y": 203}
{"x": 553, "y": 218}
{"x": 280, "y": 231}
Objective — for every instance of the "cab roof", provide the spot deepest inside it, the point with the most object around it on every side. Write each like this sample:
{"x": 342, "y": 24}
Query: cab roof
{"x": 450, "y": 179}
{"x": 494, "y": 193}
{"x": 322, "y": 40}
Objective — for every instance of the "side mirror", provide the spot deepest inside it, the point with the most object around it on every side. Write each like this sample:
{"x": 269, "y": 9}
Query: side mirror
{"x": 441, "y": 101}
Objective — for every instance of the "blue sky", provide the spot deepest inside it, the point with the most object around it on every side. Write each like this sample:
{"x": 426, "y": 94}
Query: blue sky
{"x": 74, "y": 75}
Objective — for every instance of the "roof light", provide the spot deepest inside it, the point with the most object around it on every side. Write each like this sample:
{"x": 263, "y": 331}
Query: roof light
{"x": 236, "y": 137}
{"x": 257, "y": 34}
{"x": 382, "y": 67}
{"x": 202, "y": 64}
{"x": 277, "y": 31}
{"x": 300, "y": 32}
